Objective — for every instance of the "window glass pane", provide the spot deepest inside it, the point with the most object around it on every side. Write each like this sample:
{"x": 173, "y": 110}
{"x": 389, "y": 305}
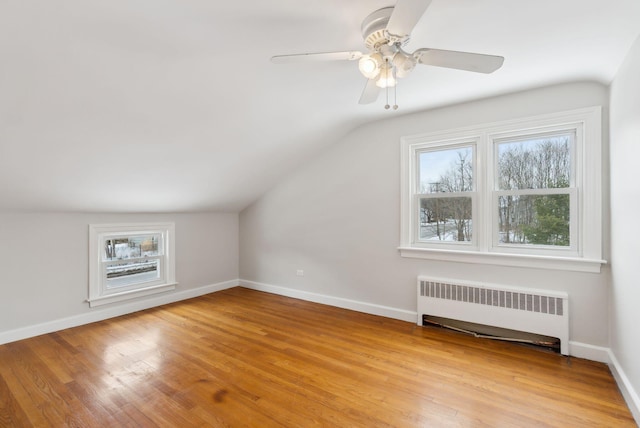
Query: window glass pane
{"x": 134, "y": 272}
{"x": 534, "y": 219}
{"x": 132, "y": 247}
{"x": 449, "y": 170}
{"x": 445, "y": 219}
{"x": 539, "y": 163}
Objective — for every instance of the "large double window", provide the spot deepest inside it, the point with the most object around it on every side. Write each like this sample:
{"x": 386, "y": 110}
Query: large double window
{"x": 524, "y": 193}
{"x": 129, "y": 261}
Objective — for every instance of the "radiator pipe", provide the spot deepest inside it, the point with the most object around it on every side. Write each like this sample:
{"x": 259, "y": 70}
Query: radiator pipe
{"x": 484, "y": 336}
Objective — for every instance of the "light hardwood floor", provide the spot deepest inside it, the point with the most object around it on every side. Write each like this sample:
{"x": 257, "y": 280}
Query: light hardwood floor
{"x": 245, "y": 358}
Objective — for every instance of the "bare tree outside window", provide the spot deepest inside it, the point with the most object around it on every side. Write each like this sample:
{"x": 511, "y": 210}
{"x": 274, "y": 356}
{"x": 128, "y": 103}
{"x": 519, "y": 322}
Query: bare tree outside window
{"x": 445, "y": 175}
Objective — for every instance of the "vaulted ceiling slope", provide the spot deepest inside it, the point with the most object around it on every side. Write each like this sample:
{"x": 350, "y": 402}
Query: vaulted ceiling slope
{"x": 173, "y": 105}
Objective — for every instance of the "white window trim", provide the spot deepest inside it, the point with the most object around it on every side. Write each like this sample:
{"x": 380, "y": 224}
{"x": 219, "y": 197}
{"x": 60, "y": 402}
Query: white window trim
{"x": 585, "y": 257}
{"x": 99, "y": 232}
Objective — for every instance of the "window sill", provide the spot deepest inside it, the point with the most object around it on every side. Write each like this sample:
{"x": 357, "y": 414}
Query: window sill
{"x": 515, "y": 260}
{"x": 132, "y": 294}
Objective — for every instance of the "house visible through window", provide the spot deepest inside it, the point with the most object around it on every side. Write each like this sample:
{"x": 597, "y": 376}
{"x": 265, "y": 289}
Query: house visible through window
{"x": 130, "y": 260}
{"x": 525, "y": 192}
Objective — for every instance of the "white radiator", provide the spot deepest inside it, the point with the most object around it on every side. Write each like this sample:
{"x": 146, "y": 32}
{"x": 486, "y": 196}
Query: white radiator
{"x": 541, "y": 312}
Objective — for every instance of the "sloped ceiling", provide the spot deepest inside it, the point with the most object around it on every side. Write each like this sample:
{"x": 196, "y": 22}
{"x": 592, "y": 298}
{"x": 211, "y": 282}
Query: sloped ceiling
{"x": 173, "y": 105}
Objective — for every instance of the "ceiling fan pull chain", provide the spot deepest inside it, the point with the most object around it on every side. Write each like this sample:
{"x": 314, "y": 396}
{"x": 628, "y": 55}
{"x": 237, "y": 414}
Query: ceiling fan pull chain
{"x": 386, "y": 78}
{"x": 386, "y": 106}
{"x": 395, "y": 97}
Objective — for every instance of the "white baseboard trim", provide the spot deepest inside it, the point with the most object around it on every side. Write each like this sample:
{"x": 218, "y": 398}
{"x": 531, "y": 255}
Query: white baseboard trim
{"x": 114, "y": 310}
{"x": 605, "y": 355}
{"x": 339, "y": 302}
{"x": 628, "y": 392}
{"x": 589, "y": 352}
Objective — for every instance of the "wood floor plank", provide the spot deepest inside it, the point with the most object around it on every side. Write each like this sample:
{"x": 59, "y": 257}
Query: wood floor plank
{"x": 11, "y": 414}
{"x": 240, "y": 358}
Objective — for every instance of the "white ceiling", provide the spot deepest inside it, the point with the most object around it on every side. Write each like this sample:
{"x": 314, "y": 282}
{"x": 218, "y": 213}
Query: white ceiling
{"x": 173, "y": 105}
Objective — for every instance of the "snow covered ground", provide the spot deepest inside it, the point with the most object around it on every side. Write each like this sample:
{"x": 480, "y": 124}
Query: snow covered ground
{"x": 444, "y": 231}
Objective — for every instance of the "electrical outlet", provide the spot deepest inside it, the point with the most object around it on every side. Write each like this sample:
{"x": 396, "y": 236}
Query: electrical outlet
{"x": 300, "y": 272}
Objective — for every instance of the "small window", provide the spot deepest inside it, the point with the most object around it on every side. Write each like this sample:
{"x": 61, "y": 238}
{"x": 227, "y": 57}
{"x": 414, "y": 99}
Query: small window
{"x": 129, "y": 261}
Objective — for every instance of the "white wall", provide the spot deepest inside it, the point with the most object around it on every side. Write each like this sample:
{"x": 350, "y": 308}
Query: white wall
{"x": 337, "y": 218}
{"x": 625, "y": 206}
{"x": 44, "y": 261}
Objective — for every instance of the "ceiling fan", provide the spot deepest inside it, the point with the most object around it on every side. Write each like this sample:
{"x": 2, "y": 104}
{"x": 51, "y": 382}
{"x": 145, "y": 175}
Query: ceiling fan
{"x": 385, "y": 32}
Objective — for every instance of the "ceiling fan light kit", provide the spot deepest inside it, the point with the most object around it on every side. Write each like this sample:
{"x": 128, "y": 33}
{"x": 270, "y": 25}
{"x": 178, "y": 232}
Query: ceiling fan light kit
{"x": 385, "y": 32}
{"x": 386, "y": 78}
{"x": 369, "y": 65}
{"x": 403, "y": 63}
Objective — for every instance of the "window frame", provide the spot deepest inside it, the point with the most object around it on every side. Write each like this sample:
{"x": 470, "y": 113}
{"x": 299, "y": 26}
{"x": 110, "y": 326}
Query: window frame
{"x": 99, "y": 292}
{"x": 585, "y": 252}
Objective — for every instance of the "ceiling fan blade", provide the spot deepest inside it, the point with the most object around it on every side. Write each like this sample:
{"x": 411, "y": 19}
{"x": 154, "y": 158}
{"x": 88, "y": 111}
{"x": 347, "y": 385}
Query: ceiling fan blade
{"x": 405, "y": 16}
{"x": 370, "y": 93}
{"x": 460, "y": 60}
{"x": 314, "y": 57}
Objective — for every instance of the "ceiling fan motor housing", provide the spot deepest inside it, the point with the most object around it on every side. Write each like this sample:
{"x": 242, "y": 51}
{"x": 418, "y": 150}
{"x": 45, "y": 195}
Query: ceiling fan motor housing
{"x": 374, "y": 29}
